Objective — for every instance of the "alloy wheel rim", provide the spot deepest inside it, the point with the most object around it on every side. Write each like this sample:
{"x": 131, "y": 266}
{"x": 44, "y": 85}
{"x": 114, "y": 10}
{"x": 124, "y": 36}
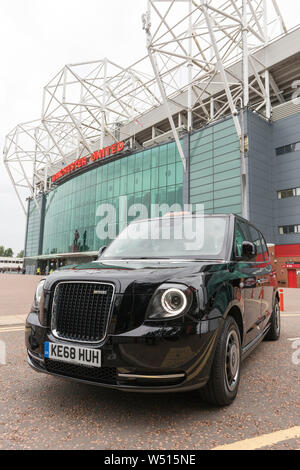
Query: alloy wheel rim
{"x": 232, "y": 360}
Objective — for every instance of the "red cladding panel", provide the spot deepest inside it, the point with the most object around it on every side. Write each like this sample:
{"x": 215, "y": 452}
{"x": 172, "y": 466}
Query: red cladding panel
{"x": 287, "y": 250}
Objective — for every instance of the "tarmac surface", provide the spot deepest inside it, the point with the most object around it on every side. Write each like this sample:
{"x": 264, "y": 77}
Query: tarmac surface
{"x": 38, "y": 411}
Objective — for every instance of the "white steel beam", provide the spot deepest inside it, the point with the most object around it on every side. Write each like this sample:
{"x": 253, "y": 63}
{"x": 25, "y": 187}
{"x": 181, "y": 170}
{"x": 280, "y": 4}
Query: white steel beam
{"x": 204, "y": 56}
{"x": 221, "y": 68}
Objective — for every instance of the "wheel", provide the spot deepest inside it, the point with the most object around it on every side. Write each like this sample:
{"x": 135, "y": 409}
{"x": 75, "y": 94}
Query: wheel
{"x": 224, "y": 380}
{"x": 274, "y": 332}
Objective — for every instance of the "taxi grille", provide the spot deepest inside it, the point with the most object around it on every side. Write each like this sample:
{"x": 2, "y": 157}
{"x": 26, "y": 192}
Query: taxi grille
{"x": 92, "y": 374}
{"x": 81, "y": 310}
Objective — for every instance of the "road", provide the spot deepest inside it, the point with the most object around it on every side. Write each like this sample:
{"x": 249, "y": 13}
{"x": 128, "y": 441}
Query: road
{"x": 43, "y": 412}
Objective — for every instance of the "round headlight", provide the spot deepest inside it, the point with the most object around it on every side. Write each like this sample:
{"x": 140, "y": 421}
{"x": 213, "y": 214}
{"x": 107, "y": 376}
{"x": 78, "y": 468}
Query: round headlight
{"x": 174, "y": 301}
{"x": 39, "y": 291}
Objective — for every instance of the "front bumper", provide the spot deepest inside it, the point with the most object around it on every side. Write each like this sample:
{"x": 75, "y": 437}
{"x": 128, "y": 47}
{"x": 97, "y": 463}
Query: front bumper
{"x": 146, "y": 359}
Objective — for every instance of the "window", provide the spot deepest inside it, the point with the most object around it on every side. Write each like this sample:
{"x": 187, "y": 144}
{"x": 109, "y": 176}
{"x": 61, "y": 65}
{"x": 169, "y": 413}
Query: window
{"x": 255, "y": 238}
{"x": 264, "y": 248}
{"x": 288, "y": 148}
{"x": 240, "y": 236}
{"x": 168, "y": 237}
{"x": 289, "y": 229}
{"x": 285, "y": 193}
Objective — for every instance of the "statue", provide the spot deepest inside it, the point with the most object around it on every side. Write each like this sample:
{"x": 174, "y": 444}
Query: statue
{"x": 76, "y": 237}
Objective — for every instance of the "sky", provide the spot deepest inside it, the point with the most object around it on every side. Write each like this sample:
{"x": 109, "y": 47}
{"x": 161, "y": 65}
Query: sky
{"x": 38, "y": 37}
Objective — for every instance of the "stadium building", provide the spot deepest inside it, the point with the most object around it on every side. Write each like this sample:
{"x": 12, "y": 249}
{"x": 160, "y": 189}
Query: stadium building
{"x": 211, "y": 115}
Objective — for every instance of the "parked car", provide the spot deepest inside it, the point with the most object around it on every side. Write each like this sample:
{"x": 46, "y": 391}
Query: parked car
{"x": 160, "y": 313}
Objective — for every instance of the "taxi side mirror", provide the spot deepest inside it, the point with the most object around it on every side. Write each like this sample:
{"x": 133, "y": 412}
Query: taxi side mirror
{"x": 249, "y": 250}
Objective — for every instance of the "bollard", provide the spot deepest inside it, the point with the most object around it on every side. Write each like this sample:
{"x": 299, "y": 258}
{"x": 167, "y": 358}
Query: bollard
{"x": 281, "y": 300}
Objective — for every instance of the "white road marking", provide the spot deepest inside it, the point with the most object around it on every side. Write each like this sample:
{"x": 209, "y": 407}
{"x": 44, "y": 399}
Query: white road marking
{"x": 290, "y": 315}
{"x": 266, "y": 440}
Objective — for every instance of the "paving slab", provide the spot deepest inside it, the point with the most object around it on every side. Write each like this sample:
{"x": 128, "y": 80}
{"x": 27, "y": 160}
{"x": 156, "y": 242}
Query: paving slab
{"x": 291, "y": 298}
{"x": 16, "y": 294}
{"x": 6, "y": 320}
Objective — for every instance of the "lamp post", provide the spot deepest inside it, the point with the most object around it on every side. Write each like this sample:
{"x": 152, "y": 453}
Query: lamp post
{"x": 243, "y": 160}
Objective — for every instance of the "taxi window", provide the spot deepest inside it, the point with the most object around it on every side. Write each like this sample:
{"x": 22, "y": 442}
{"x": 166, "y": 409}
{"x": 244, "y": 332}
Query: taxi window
{"x": 240, "y": 236}
{"x": 256, "y": 239}
{"x": 264, "y": 248}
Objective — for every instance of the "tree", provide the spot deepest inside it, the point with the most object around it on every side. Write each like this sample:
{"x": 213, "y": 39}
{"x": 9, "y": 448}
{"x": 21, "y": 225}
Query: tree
{"x": 21, "y": 254}
{"x": 8, "y": 253}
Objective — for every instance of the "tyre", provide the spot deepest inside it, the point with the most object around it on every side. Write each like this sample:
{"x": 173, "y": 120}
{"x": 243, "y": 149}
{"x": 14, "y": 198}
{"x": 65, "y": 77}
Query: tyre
{"x": 274, "y": 331}
{"x": 223, "y": 384}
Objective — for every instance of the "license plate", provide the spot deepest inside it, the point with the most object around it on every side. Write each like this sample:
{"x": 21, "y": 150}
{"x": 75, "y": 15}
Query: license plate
{"x": 73, "y": 354}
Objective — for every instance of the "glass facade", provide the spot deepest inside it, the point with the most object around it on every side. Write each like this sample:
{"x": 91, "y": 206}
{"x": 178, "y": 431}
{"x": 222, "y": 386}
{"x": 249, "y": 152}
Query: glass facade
{"x": 154, "y": 176}
{"x": 33, "y": 229}
{"x": 215, "y": 169}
